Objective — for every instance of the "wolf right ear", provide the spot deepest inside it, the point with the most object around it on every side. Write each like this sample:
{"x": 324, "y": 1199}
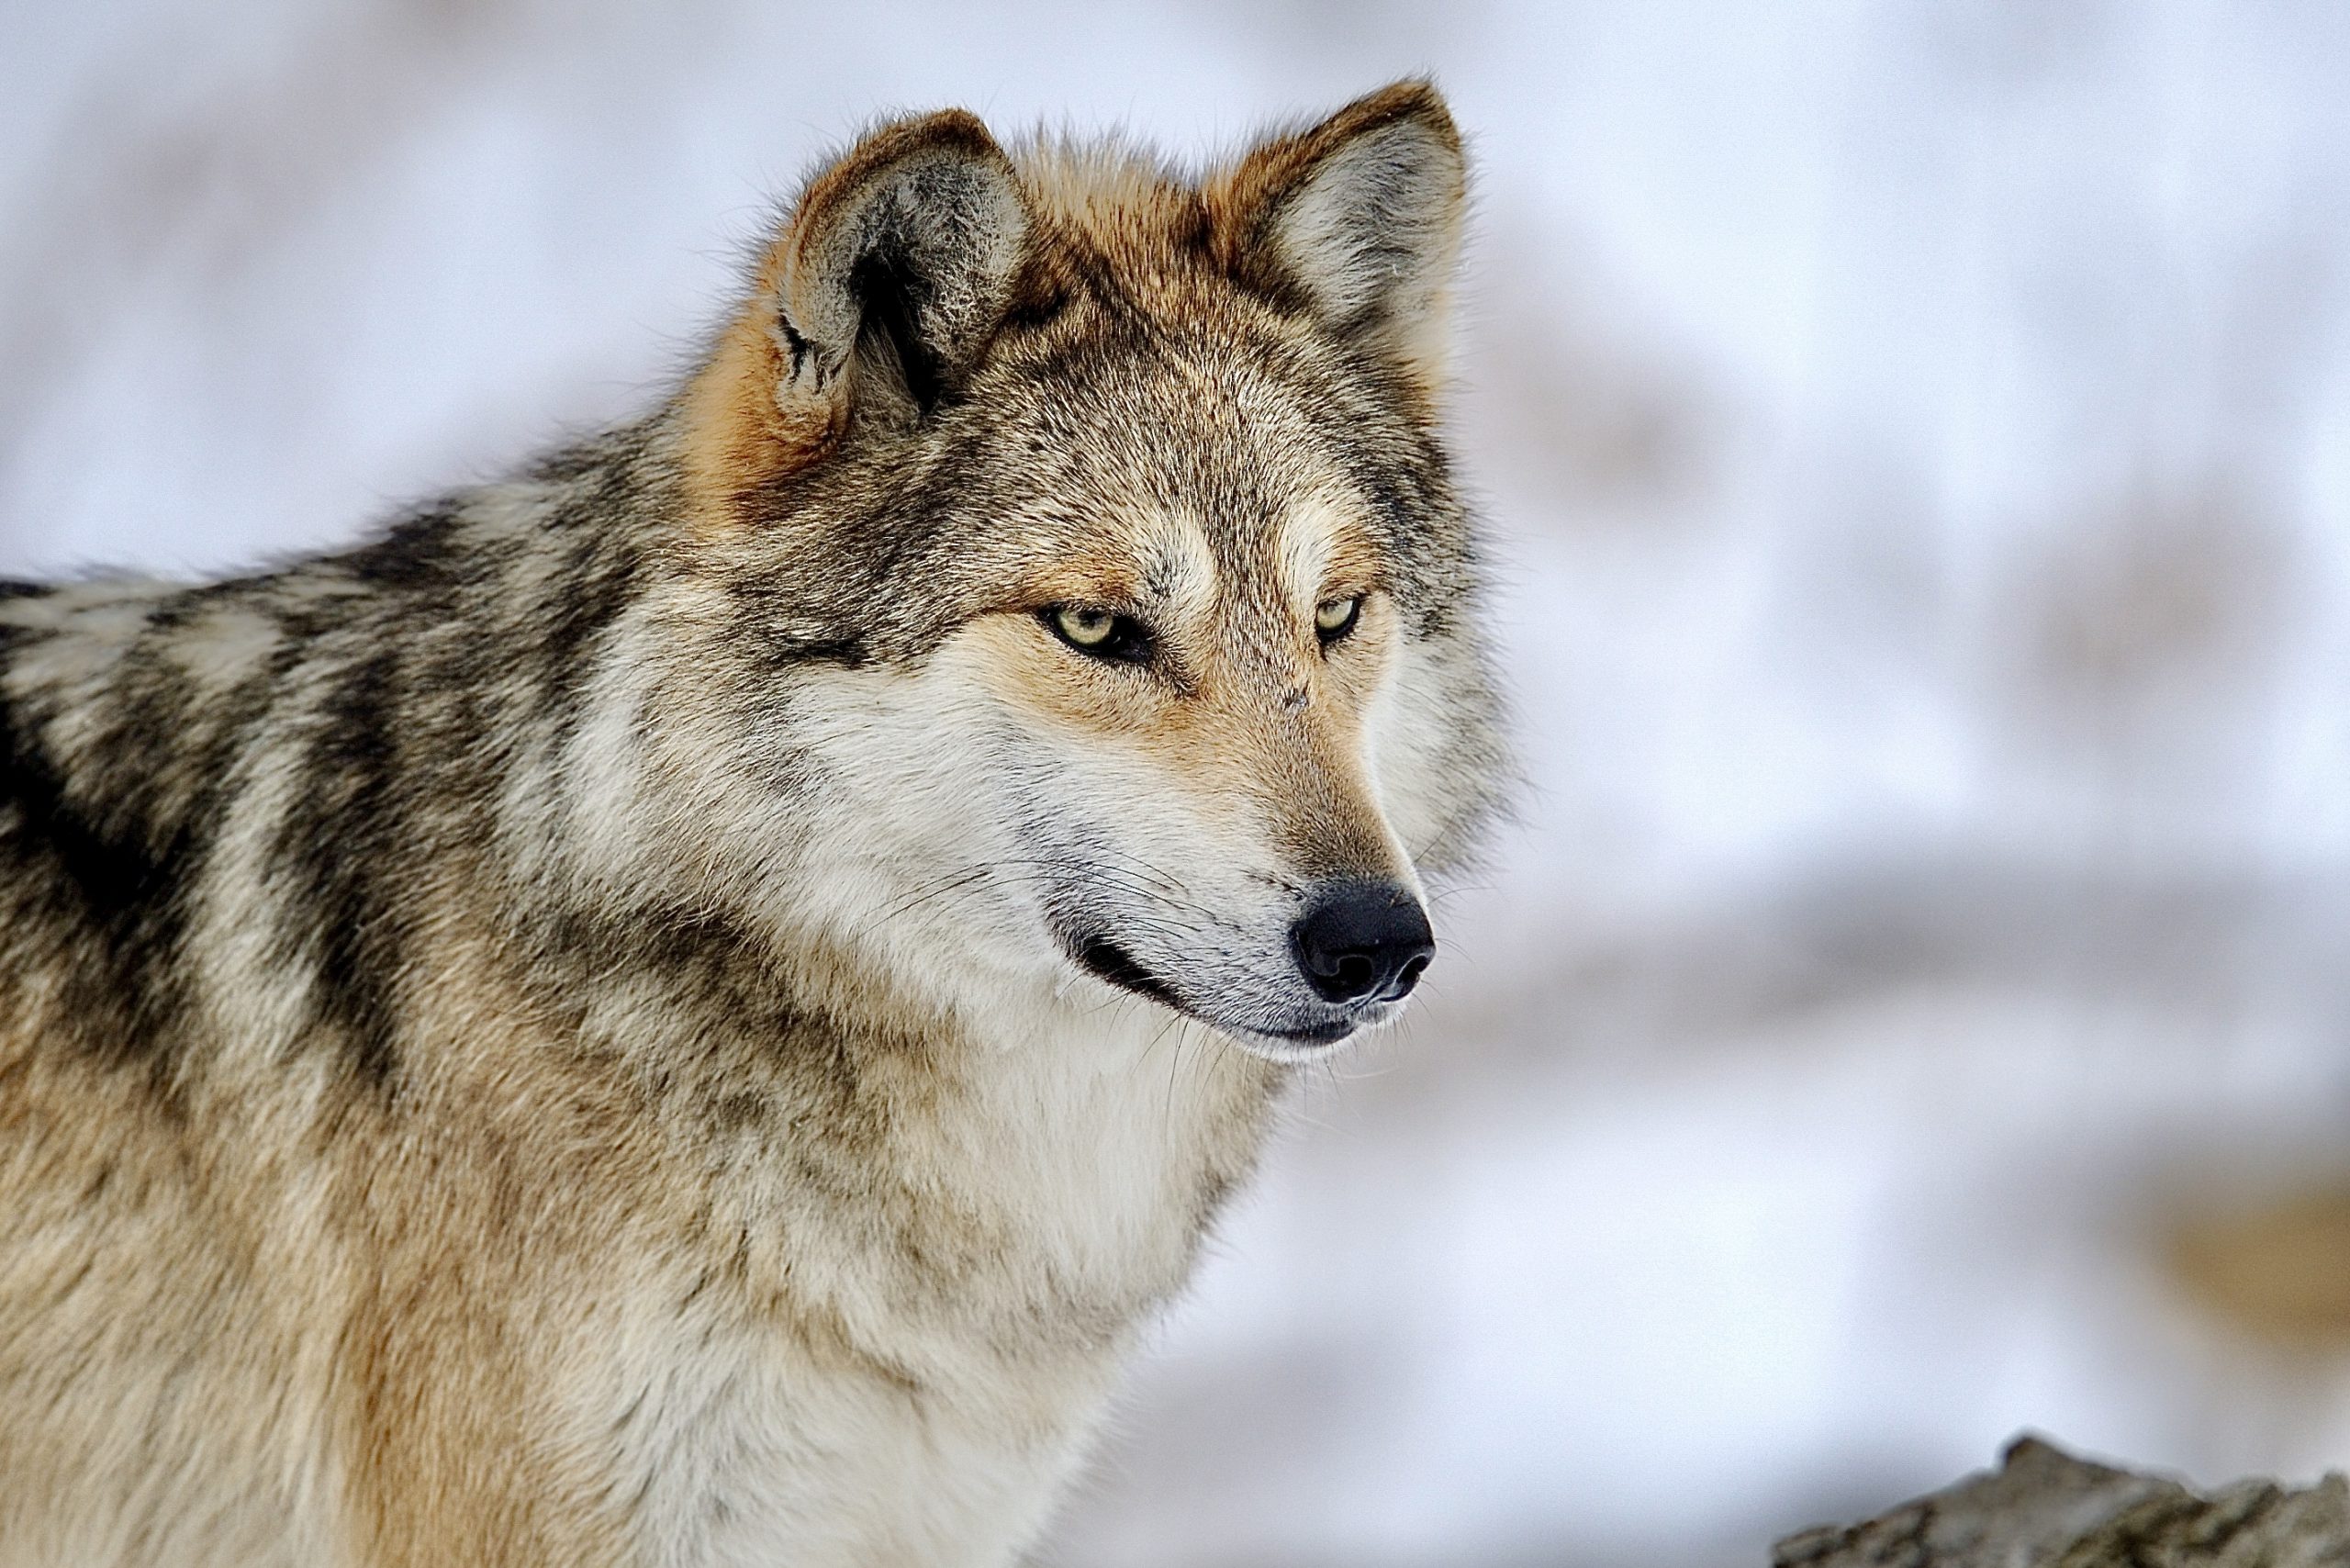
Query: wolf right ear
{"x": 875, "y": 300}
{"x": 1358, "y": 221}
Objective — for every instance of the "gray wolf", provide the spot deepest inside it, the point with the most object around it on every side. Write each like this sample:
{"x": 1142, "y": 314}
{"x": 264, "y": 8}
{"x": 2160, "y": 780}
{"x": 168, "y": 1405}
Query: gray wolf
{"x": 684, "y": 1007}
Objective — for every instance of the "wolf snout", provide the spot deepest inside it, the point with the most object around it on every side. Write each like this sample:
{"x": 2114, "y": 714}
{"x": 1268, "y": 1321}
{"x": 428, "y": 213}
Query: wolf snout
{"x": 1363, "y": 941}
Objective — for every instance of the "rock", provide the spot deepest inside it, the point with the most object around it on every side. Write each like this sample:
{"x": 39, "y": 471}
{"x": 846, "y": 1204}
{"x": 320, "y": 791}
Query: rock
{"x": 2044, "y": 1508}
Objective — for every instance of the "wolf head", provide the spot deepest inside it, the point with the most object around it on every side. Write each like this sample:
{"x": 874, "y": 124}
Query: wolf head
{"x": 1077, "y": 583}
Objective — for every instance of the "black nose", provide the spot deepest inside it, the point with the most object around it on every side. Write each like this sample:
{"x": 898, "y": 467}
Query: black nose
{"x": 1364, "y": 940}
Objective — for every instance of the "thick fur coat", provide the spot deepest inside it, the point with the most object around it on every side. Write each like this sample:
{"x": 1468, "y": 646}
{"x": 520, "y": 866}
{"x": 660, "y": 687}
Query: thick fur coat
{"x": 683, "y": 1008}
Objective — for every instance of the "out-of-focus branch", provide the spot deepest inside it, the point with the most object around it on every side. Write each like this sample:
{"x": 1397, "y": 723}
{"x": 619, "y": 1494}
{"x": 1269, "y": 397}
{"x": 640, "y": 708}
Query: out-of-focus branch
{"x": 2044, "y": 1508}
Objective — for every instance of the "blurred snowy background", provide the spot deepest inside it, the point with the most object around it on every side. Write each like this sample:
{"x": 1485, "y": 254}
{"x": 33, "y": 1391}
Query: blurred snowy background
{"x": 1917, "y": 1002}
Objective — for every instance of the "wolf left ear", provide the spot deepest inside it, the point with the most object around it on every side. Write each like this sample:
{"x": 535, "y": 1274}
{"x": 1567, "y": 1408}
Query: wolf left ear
{"x": 873, "y": 303}
{"x": 1358, "y": 221}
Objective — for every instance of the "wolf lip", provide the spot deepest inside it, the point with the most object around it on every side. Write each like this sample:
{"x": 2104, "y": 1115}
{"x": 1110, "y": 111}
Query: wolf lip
{"x": 1314, "y": 1033}
{"x": 1105, "y": 959}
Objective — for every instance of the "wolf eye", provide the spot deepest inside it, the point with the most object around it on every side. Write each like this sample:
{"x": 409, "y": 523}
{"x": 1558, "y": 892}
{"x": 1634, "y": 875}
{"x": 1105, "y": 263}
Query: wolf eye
{"x": 1334, "y": 618}
{"x": 1101, "y": 633}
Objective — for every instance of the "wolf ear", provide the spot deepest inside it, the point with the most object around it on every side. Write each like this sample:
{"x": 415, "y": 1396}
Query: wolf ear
{"x": 874, "y": 302}
{"x": 1358, "y": 221}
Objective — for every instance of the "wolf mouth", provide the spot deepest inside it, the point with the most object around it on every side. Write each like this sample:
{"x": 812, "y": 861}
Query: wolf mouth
{"x": 1103, "y": 958}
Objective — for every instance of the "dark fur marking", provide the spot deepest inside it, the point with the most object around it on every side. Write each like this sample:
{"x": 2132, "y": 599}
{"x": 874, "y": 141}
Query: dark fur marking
{"x": 798, "y": 346}
{"x": 599, "y": 585}
{"x": 847, "y": 652}
{"x": 577, "y": 461}
{"x": 1123, "y": 316}
{"x": 124, "y": 1003}
{"x": 1196, "y": 235}
{"x": 153, "y": 790}
{"x": 339, "y": 843}
{"x": 1038, "y": 300}
{"x": 414, "y": 553}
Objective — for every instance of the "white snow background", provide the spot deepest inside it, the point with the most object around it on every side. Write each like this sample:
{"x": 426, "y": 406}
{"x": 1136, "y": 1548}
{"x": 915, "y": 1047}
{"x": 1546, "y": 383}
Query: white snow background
{"x": 1917, "y": 436}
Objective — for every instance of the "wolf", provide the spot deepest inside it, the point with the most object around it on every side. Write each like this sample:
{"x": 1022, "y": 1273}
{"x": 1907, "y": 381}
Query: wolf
{"x": 685, "y": 1006}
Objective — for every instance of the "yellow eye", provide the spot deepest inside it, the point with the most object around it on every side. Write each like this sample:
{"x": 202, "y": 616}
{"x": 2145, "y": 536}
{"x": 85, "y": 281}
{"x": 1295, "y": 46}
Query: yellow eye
{"x": 1086, "y": 628}
{"x": 1334, "y": 618}
{"x": 1100, "y": 633}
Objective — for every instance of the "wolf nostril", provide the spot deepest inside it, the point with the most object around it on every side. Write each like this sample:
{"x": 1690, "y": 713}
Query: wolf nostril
{"x": 1362, "y": 940}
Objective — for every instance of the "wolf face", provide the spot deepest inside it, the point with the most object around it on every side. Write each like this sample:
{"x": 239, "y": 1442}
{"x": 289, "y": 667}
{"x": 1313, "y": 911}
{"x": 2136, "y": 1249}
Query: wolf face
{"x": 1118, "y": 510}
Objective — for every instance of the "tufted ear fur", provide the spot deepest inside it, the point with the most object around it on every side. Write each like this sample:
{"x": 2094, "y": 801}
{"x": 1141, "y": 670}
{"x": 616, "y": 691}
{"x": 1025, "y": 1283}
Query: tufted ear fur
{"x": 1356, "y": 220}
{"x": 872, "y": 304}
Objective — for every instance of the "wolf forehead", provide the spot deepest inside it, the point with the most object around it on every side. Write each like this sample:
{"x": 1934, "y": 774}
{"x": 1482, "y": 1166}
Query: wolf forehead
{"x": 980, "y": 361}
{"x": 1144, "y": 450}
